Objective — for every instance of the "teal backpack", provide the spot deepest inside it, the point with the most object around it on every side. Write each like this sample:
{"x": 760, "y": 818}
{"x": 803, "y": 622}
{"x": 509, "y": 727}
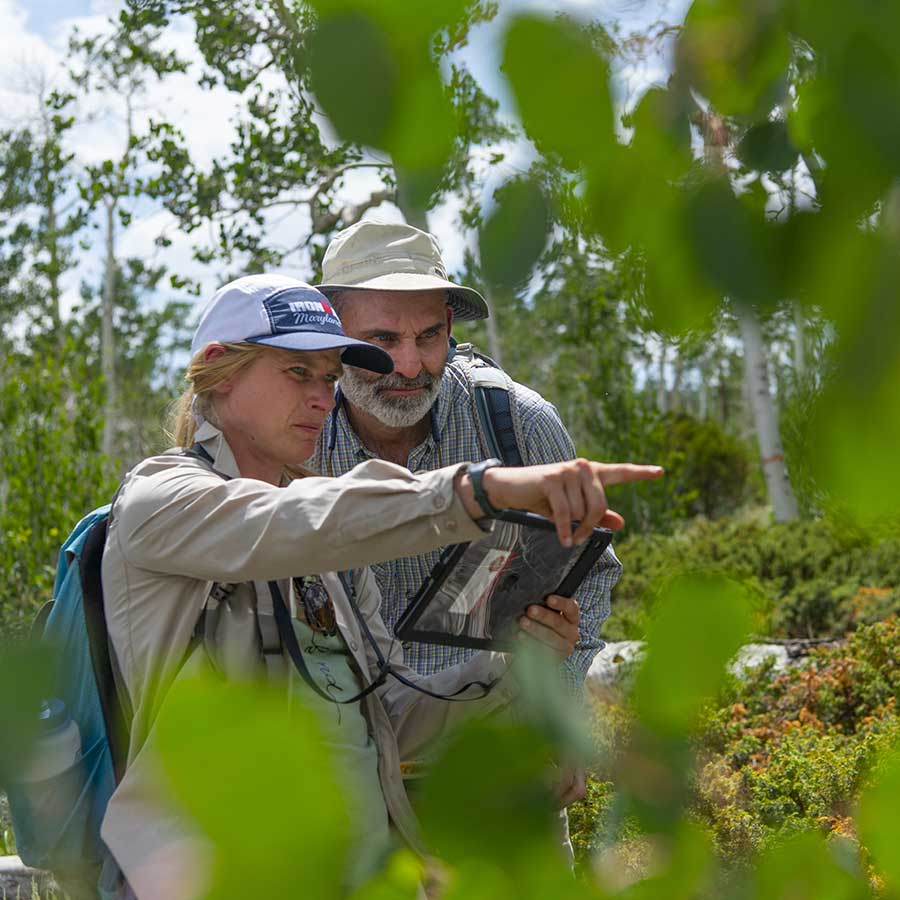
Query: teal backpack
{"x": 57, "y": 821}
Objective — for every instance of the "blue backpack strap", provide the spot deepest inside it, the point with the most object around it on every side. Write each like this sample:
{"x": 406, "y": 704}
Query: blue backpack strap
{"x": 494, "y": 407}
{"x": 115, "y": 714}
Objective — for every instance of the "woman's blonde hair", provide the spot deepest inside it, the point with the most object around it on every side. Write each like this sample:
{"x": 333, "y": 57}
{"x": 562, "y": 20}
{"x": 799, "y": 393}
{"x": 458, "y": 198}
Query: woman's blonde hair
{"x": 202, "y": 376}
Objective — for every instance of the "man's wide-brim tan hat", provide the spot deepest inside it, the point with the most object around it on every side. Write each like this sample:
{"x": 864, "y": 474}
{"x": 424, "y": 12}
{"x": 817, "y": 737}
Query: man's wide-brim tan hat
{"x": 376, "y": 256}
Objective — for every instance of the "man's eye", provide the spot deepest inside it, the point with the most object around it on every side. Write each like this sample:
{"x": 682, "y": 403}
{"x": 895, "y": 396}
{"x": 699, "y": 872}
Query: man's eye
{"x": 332, "y": 377}
{"x": 298, "y": 370}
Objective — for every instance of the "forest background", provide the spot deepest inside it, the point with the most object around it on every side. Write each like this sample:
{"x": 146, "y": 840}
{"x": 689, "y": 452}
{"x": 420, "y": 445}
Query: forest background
{"x": 686, "y": 221}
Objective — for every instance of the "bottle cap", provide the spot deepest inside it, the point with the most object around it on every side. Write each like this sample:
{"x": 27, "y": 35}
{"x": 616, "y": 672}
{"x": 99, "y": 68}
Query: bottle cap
{"x": 53, "y": 716}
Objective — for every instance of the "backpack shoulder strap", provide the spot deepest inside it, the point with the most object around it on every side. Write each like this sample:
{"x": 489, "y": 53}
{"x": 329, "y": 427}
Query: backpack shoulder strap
{"x": 113, "y": 699}
{"x": 493, "y": 393}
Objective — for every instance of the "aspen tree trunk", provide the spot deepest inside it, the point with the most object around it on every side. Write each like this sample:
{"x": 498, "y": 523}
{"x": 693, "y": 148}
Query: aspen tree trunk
{"x": 799, "y": 341}
{"x": 675, "y": 398}
{"x": 703, "y": 389}
{"x": 108, "y": 336}
{"x": 662, "y": 397}
{"x": 756, "y": 373}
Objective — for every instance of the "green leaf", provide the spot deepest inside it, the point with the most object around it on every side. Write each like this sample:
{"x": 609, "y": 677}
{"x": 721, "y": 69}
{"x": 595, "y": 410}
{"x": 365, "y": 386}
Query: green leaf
{"x": 733, "y": 247}
{"x": 767, "y": 147}
{"x": 879, "y": 826}
{"x": 697, "y": 626}
{"x": 513, "y": 237}
{"x": 561, "y": 85}
{"x": 487, "y": 797}
{"x": 736, "y": 54}
{"x": 260, "y": 785}
{"x": 855, "y": 425}
{"x": 354, "y": 76}
{"x": 26, "y": 676}
{"x": 804, "y": 867}
{"x": 545, "y": 702}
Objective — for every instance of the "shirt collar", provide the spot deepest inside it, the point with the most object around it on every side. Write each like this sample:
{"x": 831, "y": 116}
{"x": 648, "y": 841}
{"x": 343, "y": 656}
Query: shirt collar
{"x": 213, "y": 442}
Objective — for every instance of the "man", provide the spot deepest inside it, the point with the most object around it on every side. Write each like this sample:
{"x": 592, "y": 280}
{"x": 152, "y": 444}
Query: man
{"x": 389, "y": 286}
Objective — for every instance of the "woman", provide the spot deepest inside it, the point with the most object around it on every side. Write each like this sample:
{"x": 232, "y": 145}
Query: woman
{"x": 210, "y": 531}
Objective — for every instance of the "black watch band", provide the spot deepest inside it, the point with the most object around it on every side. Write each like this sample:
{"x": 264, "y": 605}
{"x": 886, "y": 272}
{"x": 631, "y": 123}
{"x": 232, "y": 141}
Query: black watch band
{"x": 476, "y": 475}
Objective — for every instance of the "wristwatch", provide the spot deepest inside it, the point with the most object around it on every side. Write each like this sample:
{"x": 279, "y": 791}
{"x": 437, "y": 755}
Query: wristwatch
{"x": 476, "y": 475}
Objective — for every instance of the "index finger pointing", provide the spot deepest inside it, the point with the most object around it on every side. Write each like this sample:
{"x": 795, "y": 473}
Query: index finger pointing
{"x": 622, "y": 473}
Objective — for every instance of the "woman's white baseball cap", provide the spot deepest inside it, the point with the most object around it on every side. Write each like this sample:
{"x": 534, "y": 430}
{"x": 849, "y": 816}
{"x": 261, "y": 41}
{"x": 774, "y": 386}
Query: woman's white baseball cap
{"x": 280, "y": 311}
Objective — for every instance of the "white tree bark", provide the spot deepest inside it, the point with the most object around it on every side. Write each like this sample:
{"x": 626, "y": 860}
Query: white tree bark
{"x": 799, "y": 341}
{"x": 662, "y": 395}
{"x": 108, "y": 336}
{"x": 756, "y": 374}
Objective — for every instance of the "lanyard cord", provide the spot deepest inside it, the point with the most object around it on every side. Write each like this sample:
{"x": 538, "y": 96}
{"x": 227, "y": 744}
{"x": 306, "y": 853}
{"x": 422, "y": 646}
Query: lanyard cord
{"x": 292, "y": 645}
{"x": 387, "y": 669}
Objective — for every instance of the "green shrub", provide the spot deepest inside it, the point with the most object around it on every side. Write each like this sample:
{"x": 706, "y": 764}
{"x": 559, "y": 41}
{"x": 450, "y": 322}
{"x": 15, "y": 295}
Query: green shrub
{"x": 790, "y": 752}
{"x": 777, "y": 753}
{"x": 811, "y": 579}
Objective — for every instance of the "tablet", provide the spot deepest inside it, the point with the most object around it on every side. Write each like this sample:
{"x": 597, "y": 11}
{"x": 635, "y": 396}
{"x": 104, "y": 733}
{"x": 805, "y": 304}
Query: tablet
{"x": 476, "y": 592}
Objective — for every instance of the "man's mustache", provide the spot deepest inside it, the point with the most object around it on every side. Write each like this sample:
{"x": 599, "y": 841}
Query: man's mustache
{"x": 395, "y": 382}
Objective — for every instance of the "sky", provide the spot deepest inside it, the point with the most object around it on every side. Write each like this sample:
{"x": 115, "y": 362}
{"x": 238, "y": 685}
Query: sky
{"x": 33, "y": 37}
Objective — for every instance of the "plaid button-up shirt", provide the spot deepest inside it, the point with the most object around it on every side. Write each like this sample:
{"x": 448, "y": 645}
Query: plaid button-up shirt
{"x": 454, "y": 438}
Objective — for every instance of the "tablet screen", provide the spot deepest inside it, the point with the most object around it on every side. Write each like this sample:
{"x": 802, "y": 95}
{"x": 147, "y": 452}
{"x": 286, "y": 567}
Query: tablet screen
{"x": 477, "y": 591}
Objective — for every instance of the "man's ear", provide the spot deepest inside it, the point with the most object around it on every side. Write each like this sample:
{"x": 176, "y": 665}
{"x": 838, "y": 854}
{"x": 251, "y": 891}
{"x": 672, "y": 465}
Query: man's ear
{"x": 449, "y": 320}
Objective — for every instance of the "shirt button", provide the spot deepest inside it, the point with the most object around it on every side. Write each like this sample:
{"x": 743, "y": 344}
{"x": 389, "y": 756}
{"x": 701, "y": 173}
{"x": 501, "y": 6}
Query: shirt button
{"x": 354, "y": 646}
{"x": 450, "y": 525}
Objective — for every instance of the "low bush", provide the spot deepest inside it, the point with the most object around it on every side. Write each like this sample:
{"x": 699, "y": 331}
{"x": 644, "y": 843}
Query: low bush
{"x": 778, "y": 753}
{"x": 811, "y": 579}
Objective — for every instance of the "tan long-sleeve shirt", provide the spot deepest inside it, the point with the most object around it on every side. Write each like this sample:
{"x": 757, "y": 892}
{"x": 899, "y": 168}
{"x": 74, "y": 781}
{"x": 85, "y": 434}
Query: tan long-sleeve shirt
{"x": 177, "y": 528}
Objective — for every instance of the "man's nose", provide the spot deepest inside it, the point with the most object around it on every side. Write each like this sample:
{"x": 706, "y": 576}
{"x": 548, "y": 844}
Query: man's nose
{"x": 407, "y": 360}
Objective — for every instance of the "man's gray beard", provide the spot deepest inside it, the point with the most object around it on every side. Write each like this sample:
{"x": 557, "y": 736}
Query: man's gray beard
{"x": 395, "y": 412}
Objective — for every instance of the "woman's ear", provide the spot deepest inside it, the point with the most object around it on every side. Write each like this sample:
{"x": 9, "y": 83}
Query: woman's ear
{"x": 211, "y": 352}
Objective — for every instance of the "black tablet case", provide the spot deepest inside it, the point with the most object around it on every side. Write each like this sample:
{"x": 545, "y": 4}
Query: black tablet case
{"x": 475, "y": 593}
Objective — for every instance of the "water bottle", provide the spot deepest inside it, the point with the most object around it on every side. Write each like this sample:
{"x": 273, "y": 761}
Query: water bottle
{"x": 58, "y": 745}
{"x": 45, "y": 798}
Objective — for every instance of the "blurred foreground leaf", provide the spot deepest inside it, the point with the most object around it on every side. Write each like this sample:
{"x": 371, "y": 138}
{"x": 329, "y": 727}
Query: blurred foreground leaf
{"x": 401, "y": 879}
{"x": 561, "y": 84}
{"x": 732, "y": 245}
{"x": 735, "y": 53}
{"x": 487, "y": 797}
{"x": 25, "y": 680}
{"x": 805, "y": 867}
{"x": 513, "y": 237}
{"x": 855, "y": 428}
{"x": 879, "y": 824}
{"x": 354, "y": 77}
{"x": 767, "y": 147}
{"x": 487, "y": 809}
{"x": 545, "y": 702}
{"x": 373, "y": 70}
{"x": 260, "y": 785}
{"x": 697, "y": 626}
